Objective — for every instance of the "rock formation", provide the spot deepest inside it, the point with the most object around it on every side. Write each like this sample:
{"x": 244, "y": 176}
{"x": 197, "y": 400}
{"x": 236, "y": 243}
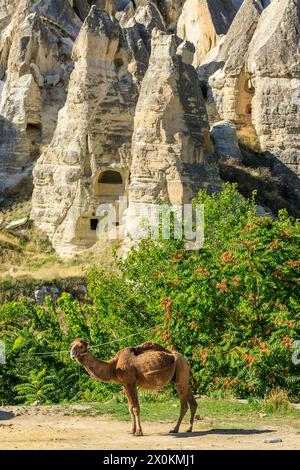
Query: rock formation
{"x": 224, "y": 137}
{"x": 171, "y": 132}
{"x": 171, "y": 10}
{"x": 257, "y": 88}
{"x": 274, "y": 63}
{"x": 110, "y": 98}
{"x": 202, "y": 22}
{"x": 35, "y": 66}
{"x": 89, "y": 157}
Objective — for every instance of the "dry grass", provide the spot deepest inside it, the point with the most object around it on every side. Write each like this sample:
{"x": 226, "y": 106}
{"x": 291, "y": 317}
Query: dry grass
{"x": 32, "y": 256}
{"x": 277, "y": 400}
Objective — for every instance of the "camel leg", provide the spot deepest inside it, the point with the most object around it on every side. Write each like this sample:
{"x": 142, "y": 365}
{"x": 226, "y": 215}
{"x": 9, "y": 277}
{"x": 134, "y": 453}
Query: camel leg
{"x": 133, "y": 422}
{"x": 182, "y": 377}
{"x": 134, "y": 408}
{"x": 183, "y": 407}
{"x": 193, "y": 407}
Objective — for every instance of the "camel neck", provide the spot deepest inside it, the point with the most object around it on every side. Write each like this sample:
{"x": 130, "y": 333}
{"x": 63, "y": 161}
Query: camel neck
{"x": 97, "y": 369}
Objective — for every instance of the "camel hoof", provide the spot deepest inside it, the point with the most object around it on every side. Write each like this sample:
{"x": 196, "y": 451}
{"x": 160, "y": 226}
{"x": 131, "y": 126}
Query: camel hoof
{"x": 173, "y": 431}
{"x": 139, "y": 433}
{"x": 189, "y": 430}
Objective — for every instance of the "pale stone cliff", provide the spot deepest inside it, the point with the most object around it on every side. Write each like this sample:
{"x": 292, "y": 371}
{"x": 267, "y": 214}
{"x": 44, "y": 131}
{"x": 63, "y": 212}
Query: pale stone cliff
{"x": 92, "y": 140}
{"x": 148, "y": 100}
{"x": 35, "y": 64}
{"x": 257, "y": 84}
{"x": 170, "y": 142}
{"x": 202, "y": 22}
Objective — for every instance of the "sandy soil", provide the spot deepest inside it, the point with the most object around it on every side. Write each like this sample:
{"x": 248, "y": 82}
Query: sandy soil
{"x": 54, "y": 431}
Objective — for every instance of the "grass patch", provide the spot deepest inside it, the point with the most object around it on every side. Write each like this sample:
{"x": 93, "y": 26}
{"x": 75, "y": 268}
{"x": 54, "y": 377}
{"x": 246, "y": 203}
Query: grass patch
{"x": 217, "y": 412}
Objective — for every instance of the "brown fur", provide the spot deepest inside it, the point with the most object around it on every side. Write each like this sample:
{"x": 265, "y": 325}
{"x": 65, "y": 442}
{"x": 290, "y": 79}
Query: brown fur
{"x": 148, "y": 365}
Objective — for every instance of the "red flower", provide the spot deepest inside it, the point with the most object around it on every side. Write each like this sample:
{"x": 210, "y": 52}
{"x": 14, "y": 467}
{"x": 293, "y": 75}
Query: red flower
{"x": 250, "y": 359}
{"x": 275, "y": 244}
{"x": 166, "y": 337}
{"x": 202, "y": 271}
{"x": 281, "y": 307}
{"x": 235, "y": 281}
{"x": 249, "y": 227}
{"x": 293, "y": 263}
{"x": 167, "y": 303}
{"x": 223, "y": 286}
{"x": 176, "y": 256}
{"x": 287, "y": 342}
{"x": 227, "y": 257}
{"x": 192, "y": 325}
{"x": 247, "y": 243}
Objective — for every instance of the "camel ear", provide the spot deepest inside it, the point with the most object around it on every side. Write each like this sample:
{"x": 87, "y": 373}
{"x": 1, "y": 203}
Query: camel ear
{"x": 83, "y": 343}
{"x": 78, "y": 341}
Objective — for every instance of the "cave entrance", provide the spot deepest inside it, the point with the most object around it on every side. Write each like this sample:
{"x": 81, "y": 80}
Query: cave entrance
{"x": 110, "y": 185}
{"x": 245, "y": 93}
{"x": 94, "y": 224}
{"x": 245, "y": 118}
{"x": 34, "y": 136}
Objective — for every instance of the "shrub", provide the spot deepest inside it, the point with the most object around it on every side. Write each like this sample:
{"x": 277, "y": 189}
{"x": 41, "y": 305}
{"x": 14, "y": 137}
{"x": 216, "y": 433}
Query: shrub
{"x": 231, "y": 307}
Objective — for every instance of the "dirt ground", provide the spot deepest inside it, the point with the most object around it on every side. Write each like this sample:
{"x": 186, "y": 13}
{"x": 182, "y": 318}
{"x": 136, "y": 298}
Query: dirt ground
{"x": 57, "y": 431}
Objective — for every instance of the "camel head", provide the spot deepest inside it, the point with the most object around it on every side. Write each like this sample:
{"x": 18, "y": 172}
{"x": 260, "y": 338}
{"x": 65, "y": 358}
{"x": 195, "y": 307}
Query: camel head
{"x": 78, "y": 348}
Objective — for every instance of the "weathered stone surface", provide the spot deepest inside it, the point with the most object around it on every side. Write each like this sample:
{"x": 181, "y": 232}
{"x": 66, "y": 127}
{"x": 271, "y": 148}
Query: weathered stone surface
{"x": 225, "y": 141}
{"x": 7, "y": 8}
{"x": 258, "y": 87}
{"x": 93, "y": 135}
{"x": 36, "y": 58}
{"x": 202, "y": 22}
{"x": 171, "y": 139}
{"x": 16, "y": 223}
{"x": 274, "y": 63}
{"x": 131, "y": 121}
{"x": 171, "y": 10}
{"x": 138, "y": 35}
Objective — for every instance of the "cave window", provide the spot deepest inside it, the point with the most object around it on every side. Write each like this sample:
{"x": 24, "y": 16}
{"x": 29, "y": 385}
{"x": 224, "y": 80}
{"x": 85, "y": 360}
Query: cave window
{"x": 118, "y": 62}
{"x": 34, "y": 132}
{"x": 249, "y": 109}
{"x": 110, "y": 177}
{"x": 93, "y": 224}
{"x": 249, "y": 87}
{"x": 204, "y": 90}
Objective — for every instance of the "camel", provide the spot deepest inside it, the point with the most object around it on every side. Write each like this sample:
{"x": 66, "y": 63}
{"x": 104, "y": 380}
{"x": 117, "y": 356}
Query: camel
{"x": 149, "y": 366}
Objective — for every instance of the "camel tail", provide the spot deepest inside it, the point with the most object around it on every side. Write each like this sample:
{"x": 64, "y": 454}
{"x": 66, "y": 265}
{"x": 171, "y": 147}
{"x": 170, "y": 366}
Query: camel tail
{"x": 182, "y": 369}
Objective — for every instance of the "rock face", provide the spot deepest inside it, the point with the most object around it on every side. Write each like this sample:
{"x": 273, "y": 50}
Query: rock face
{"x": 171, "y": 134}
{"x": 258, "y": 86}
{"x": 36, "y": 63}
{"x": 202, "y": 22}
{"x": 109, "y": 98}
{"x": 225, "y": 141}
{"x": 231, "y": 85}
{"x": 89, "y": 157}
{"x": 274, "y": 63}
{"x": 91, "y": 154}
{"x": 171, "y": 10}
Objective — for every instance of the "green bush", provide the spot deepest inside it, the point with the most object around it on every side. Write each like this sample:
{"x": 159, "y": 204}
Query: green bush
{"x": 232, "y": 308}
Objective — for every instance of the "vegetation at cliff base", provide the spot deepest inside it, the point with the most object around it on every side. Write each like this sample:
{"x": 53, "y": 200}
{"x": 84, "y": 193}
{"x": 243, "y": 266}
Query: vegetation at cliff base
{"x": 231, "y": 307}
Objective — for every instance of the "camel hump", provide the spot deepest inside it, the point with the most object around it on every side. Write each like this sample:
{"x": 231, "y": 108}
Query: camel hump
{"x": 148, "y": 346}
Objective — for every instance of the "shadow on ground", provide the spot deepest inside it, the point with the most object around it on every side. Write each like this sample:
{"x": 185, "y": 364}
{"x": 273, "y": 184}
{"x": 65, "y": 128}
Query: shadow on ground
{"x": 222, "y": 432}
{"x": 6, "y": 415}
